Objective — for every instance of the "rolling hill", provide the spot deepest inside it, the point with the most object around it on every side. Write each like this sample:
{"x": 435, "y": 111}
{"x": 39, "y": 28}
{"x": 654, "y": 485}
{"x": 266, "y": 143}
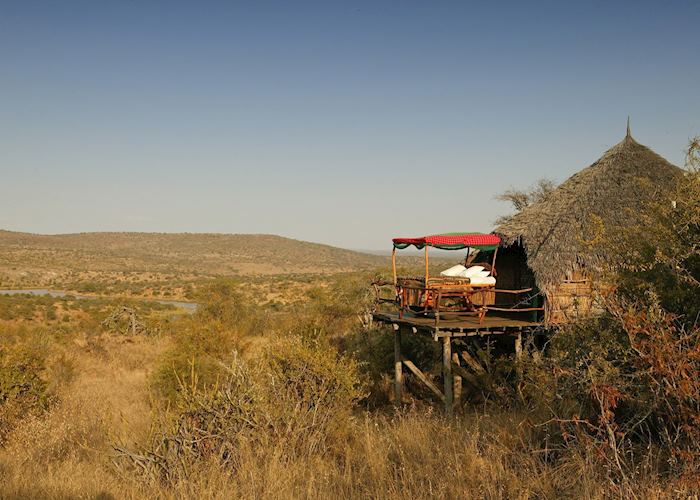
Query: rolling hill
{"x": 214, "y": 254}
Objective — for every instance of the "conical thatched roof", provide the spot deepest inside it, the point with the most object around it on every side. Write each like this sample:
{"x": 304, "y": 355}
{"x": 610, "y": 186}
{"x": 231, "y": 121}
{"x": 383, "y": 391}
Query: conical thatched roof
{"x": 609, "y": 192}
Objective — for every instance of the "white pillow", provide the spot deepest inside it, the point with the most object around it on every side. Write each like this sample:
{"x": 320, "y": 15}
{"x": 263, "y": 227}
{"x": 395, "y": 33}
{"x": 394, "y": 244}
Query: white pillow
{"x": 454, "y": 271}
{"x": 482, "y": 274}
{"x": 472, "y": 271}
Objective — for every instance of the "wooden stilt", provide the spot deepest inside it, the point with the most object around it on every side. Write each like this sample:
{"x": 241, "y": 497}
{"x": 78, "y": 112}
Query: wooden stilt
{"x": 457, "y": 380}
{"x": 447, "y": 374}
{"x": 519, "y": 354}
{"x": 398, "y": 373}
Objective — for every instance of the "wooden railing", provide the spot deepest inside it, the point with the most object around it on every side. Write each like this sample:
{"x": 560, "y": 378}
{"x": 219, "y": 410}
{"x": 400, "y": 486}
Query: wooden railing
{"x": 419, "y": 299}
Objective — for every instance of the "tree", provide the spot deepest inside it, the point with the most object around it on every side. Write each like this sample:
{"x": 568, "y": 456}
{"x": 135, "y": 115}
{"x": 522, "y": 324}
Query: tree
{"x": 523, "y": 198}
{"x": 660, "y": 255}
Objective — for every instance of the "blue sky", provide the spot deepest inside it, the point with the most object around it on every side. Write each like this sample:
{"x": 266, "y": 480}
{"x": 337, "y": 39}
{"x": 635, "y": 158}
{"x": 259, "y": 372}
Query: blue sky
{"x": 340, "y": 122}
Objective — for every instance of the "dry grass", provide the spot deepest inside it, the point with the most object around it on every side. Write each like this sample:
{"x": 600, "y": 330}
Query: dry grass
{"x": 102, "y": 392}
{"x": 67, "y": 452}
{"x": 417, "y": 455}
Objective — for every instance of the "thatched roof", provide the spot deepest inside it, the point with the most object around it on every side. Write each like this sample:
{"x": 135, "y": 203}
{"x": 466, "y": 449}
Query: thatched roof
{"x": 610, "y": 191}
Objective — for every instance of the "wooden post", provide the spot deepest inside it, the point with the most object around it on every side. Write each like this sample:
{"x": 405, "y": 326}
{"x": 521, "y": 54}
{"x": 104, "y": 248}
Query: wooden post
{"x": 426, "y": 265}
{"x": 398, "y": 374}
{"x": 447, "y": 374}
{"x": 457, "y": 380}
{"x": 393, "y": 263}
{"x": 519, "y": 354}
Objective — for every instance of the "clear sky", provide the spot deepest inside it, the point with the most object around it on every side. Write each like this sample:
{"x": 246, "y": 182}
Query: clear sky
{"x": 339, "y": 122}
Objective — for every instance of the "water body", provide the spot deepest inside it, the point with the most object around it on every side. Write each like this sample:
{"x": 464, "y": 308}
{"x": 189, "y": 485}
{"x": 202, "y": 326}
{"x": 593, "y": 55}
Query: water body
{"x": 188, "y": 306}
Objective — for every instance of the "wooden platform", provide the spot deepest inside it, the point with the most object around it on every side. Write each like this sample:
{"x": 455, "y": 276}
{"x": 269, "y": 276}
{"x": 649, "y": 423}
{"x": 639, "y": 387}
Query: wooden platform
{"x": 464, "y": 327}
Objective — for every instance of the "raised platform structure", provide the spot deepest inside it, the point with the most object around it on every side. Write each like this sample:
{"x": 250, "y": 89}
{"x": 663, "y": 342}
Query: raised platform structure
{"x": 445, "y": 330}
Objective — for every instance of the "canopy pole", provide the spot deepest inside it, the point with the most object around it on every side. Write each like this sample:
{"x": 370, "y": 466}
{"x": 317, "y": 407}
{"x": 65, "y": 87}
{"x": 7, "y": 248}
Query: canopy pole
{"x": 426, "y": 264}
{"x": 393, "y": 263}
{"x": 493, "y": 263}
{"x": 470, "y": 257}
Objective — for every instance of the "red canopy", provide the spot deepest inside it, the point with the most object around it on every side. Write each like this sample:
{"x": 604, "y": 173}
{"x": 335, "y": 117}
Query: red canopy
{"x": 451, "y": 241}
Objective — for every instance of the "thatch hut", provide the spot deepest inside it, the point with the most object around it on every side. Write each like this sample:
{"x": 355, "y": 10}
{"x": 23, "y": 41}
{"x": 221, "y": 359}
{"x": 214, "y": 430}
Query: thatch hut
{"x": 545, "y": 246}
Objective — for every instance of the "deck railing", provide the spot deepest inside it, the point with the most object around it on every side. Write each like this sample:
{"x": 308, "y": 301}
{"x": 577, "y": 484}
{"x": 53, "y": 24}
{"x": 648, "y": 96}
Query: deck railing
{"x": 417, "y": 299}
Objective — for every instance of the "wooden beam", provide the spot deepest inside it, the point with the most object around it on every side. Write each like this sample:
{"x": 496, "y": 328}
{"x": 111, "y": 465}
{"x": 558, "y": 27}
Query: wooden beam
{"x": 467, "y": 376}
{"x": 447, "y": 375}
{"x": 472, "y": 363}
{"x": 522, "y": 290}
{"x": 419, "y": 374}
{"x": 523, "y": 309}
{"x": 398, "y": 373}
{"x": 475, "y": 333}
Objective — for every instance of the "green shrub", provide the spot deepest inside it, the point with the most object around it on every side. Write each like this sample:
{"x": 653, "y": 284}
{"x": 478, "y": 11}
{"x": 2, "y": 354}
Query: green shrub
{"x": 293, "y": 401}
{"x": 204, "y": 345}
{"x": 23, "y": 389}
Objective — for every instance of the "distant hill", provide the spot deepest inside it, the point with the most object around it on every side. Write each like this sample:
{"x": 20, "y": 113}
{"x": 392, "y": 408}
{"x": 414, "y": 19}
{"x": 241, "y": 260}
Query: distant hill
{"x": 192, "y": 253}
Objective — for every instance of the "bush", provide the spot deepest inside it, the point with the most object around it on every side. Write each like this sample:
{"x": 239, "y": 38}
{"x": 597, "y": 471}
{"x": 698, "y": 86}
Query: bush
{"x": 23, "y": 390}
{"x": 619, "y": 385}
{"x": 206, "y": 340}
{"x": 205, "y": 345}
{"x": 294, "y": 401}
{"x": 222, "y": 302}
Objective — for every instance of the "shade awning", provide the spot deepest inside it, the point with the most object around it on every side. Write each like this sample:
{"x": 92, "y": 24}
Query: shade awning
{"x": 451, "y": 241}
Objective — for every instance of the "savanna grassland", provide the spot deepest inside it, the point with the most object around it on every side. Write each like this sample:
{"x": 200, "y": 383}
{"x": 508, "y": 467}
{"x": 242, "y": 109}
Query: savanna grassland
{"x": 169, "y": 266}
{"x": 279, "y": 386}
{"x": 284, "y": 401}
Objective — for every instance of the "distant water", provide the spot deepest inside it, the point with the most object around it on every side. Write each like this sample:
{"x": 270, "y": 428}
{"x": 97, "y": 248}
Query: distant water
{"x": 188, "y": 306}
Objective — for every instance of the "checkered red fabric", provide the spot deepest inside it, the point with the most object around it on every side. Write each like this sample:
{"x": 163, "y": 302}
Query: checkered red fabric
{"x": 471, "y": 240}
{"x": 449, "y": 241}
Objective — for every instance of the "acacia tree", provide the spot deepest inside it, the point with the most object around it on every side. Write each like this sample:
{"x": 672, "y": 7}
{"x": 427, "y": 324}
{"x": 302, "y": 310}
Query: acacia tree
{"x": 523, "y": 198}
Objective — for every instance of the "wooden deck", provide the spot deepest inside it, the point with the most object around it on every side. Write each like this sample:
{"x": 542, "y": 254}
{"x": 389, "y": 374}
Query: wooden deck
{"x": 446, "y": 331}
{"x": 492, "y": 324}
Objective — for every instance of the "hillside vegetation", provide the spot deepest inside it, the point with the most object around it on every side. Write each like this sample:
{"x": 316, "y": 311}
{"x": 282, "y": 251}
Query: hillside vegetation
{"x": 215, "y": 254}
{"x": 162, "y": 265}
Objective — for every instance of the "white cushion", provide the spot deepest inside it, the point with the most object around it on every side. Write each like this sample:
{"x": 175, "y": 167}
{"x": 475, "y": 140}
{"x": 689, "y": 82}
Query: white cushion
{"x": 472, "y": 271}
{"x": 454, "y": 271}
{"x": 478, "y": 280}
